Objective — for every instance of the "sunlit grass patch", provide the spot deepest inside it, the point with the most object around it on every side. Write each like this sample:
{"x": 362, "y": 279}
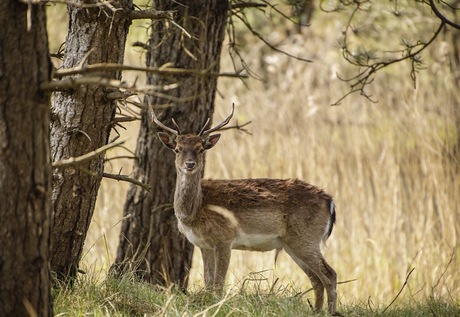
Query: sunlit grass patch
{"x": 126, "y": 295}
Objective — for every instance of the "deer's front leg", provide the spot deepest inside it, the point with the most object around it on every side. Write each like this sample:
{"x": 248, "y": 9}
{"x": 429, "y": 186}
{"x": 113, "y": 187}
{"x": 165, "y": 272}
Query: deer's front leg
{"x": 222, "y": 260}
{"x": 209, "y": 266}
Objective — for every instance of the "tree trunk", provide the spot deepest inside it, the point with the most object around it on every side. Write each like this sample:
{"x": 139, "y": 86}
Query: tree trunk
{"x": 150, "y": 242}
{"x": 81, "y": 123}
{"x": 24, "y": 161}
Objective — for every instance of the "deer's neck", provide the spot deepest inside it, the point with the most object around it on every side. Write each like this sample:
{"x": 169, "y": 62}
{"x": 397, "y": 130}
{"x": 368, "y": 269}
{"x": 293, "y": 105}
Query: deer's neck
{"x": 188, "y": 197}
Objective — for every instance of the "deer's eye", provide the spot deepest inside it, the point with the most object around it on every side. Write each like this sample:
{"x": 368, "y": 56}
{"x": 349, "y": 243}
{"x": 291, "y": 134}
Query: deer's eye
{"x": 200, "y": 151}
{"x": 176, "y": 151}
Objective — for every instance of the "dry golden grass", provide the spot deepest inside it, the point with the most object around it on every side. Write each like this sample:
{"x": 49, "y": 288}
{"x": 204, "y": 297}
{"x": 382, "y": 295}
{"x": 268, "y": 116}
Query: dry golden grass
{"x": 390, "y": 165}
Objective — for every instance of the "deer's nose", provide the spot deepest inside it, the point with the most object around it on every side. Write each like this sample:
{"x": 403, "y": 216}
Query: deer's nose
{"x": 190, "y": 164}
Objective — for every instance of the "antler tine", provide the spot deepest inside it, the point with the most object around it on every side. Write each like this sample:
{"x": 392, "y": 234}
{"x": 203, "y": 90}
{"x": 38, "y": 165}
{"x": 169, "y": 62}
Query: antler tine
{"x": 160, "y": 124}
{"x": 220, "y": 125}
{"x": 204, "y": 126}
{"x": 176, "y": 125}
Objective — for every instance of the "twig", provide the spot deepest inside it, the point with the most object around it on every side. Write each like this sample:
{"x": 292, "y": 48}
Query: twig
{"x": 400, "y": 291}
{"x": 86, "y": 157}
{"x": 442, "y": 17}
{"x": 127, "y": 157}
{"x": 359, "y": 82}
{"x": 248, "y": 25}
{"x": 126, "y": 178}
{"x": 365, "y": 60}
{"x": 124, "y": 119}
{"x": 238, "y": 127}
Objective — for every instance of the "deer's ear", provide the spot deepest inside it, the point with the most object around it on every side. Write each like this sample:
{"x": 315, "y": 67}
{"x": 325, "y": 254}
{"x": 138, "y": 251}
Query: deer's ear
{"x": 167, "y": 140}
{"x": 211, "y": 141}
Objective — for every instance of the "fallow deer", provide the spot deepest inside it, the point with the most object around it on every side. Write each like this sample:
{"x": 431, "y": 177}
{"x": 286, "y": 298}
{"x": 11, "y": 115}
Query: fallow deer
{"x": 249, "y": 214}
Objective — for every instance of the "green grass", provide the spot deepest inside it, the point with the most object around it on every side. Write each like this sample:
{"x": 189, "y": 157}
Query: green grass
{"x": 128, "y": 296}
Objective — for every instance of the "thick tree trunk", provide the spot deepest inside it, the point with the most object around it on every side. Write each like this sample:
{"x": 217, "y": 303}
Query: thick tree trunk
{"x": 81, "y": 122}
{"x": 150, "y": 241}
{"x": 24, "y": 161}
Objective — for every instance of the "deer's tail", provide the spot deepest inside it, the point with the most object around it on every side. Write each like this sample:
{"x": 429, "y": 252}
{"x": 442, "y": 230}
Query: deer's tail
{"x": 331, "y": 222}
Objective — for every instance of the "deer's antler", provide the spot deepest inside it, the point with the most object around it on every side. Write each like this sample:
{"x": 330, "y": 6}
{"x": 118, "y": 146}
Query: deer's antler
{"x": 217, "y": 127}
{"x": 161, "y": 125}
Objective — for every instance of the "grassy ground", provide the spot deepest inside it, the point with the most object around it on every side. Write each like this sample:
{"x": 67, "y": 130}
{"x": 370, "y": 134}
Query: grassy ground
{"x": 392, "y": 166}
{"x": 127, "y": 296}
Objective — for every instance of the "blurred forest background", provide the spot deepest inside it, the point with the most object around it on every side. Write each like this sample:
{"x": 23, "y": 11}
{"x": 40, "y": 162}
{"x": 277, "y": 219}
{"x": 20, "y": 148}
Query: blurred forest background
{"x": 392, "y": 165}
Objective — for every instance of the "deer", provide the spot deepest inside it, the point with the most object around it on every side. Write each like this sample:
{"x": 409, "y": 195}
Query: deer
{"x": 260, "y": 214}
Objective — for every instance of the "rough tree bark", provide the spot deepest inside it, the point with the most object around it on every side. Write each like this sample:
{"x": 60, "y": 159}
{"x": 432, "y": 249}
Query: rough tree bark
{"x": 24, "y": 161}
{"x": 150, "y": 242}
{"x": 80, "y": 123}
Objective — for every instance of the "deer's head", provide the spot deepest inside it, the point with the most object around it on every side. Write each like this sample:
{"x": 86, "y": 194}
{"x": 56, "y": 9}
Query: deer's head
{"x": 189, "y": 148}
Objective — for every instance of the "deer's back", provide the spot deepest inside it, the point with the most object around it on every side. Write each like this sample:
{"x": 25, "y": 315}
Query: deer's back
{"x": 274, "y": 206}
{"x": 260, "y": 192}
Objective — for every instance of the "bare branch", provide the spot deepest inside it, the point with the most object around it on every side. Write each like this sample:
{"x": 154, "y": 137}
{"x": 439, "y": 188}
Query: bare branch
{"x": 86, "y": 157}
{"x": 155, "y": 70}
{"x": 358, "y": 83}
{"x": 442, "y": 17}
{"x": 369, "y": 65}
{"x": 151, "y": 14}
{"x": 127, "y": 157}
{"x": 126, "y": 178}
{"x": 265, "y": 41}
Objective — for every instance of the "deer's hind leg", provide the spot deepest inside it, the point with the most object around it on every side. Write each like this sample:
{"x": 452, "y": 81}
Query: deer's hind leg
{"x": 318, "y": 287}
{"x": 321, "y": 274}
